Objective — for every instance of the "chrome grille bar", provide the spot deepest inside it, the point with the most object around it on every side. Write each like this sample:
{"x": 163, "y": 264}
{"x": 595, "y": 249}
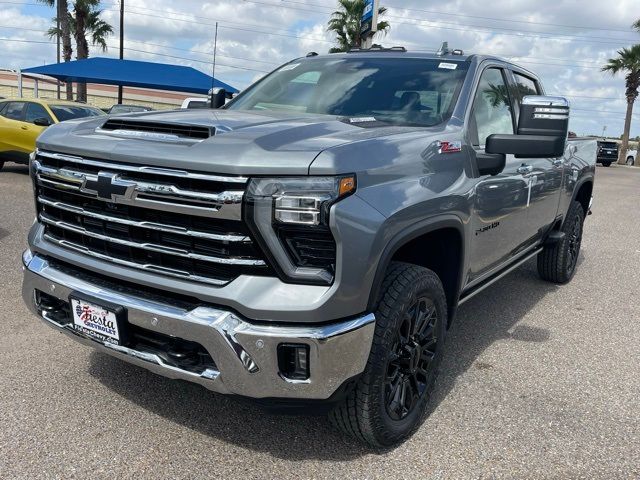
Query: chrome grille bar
{"x": 150, "y": 225}
{"x": 44, "y": 218}
{"x": 146, "y": 267}
{"x": 132, "y": 168}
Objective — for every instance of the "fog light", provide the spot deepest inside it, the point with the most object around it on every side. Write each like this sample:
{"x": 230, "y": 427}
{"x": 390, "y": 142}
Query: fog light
{"x": 293, "y": 361}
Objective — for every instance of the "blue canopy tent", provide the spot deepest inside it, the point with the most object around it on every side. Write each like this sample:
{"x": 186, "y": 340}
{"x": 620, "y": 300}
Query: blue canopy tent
{"x": 130, "y": 73}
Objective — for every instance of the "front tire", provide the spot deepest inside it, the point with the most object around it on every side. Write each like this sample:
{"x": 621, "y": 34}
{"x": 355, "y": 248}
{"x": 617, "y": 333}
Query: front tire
{"x": 1, "y": 164}
{"x": 630, "y": 161}
{"x": 557, "y": 262}
{"x": 389, "y": 402}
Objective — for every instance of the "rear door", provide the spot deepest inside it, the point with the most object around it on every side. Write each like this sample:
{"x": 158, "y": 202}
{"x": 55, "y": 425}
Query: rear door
{"x": 545, "y": 177}
{"x": 500, "y": 221}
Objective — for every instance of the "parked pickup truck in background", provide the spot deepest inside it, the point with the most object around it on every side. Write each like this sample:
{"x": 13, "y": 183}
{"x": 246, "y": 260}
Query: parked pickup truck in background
{"x": 308, "y": 244}
{"x": 607, "y": 153}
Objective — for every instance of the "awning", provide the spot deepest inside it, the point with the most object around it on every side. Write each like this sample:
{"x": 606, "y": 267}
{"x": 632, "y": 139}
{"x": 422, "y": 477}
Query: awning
{"x": 130, "y": 73}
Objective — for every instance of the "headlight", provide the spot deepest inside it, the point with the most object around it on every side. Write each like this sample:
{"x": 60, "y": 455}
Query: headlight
{"x": 290, "y": 219}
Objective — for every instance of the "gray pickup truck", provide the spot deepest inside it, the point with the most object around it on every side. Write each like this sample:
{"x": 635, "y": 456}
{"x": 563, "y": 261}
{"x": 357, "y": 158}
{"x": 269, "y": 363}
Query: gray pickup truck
{"x": 307, "y": 245}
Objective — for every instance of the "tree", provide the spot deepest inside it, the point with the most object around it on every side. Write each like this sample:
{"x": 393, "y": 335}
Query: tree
{"x": 83, "y": 21}
{"x": 627, "y": 62}
{"x": 87, "y": 21}
{"x": 65, "y": 34}
{"x": 347, "y": 24}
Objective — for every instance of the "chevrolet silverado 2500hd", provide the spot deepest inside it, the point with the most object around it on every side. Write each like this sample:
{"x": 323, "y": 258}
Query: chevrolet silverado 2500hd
{"x": 310, "y": 241}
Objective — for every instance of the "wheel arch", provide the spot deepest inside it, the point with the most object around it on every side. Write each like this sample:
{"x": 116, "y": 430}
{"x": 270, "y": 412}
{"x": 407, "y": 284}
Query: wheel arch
{"x": 437, "y": 244}
{"x": 583, "y": 192}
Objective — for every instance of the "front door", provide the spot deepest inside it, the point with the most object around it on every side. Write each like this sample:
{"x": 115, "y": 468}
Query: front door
{"x": 500, "y": 202}
{"x": 34, "y": 111}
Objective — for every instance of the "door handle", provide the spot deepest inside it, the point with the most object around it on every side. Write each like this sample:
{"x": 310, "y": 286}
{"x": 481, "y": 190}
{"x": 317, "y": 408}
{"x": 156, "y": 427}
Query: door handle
{"x": 524, "y": 169}
{"x": 24, "y": 128}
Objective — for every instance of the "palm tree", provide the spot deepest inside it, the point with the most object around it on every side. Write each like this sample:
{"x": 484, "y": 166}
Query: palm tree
{"x": 627, "y": 62}
{"x": 497, "y": 95}
{"x": 87, "y": 21}
{"x": 347, "y": 24}
{"x": 82, "y": 22}
{"x": 65, "y": 34}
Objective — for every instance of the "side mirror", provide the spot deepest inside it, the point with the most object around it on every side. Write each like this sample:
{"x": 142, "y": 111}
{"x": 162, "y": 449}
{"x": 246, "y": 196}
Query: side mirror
{"x": 217, "y": 97}
{"x": 542, "y": 130}
{"x": 42, "y": 122}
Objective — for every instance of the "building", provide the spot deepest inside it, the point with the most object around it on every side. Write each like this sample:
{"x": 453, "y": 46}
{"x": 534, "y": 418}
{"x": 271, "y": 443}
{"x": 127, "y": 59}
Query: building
{"x": 101, "y": 96}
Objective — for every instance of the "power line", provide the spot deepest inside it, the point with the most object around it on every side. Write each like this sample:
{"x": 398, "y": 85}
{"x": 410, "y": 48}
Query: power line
{"x": 514, "y": 32}
{"x": 498, "y": 19}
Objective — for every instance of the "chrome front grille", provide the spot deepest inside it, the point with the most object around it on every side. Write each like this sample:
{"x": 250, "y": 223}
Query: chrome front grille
{"x": 180, "y": 224}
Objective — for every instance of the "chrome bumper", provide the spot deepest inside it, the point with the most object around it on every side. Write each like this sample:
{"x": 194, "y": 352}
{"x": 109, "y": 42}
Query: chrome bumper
{"x": 245, "y": 354}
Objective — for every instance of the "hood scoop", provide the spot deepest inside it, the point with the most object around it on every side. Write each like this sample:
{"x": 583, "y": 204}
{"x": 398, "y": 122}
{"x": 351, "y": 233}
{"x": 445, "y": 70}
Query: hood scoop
{"x": 156, "y": 131}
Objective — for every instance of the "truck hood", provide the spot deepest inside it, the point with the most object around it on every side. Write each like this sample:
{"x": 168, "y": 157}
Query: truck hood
{"x": 244, "y": 143}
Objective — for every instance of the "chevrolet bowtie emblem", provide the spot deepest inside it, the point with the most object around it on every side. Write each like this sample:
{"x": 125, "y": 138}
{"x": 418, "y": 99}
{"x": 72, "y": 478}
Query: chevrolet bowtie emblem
{"x": 109, "y": 186}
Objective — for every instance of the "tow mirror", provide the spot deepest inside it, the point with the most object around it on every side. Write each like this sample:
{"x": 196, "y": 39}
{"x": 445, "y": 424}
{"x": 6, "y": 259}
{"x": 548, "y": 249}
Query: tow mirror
{"x": 217, "y": 97}
{"x": 42, "y": 122}
{"x": 542, "y": 130}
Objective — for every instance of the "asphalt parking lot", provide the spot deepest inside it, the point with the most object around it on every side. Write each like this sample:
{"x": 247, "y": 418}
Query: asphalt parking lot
{"x": 539, "y": 381}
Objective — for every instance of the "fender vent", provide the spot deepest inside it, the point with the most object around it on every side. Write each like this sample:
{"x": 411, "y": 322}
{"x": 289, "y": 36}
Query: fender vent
{"x": 180, "y": 130}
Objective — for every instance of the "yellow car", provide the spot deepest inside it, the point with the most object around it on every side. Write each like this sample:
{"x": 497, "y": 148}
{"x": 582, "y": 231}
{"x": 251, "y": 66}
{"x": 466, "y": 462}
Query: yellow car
{"x": 21, "y": 121}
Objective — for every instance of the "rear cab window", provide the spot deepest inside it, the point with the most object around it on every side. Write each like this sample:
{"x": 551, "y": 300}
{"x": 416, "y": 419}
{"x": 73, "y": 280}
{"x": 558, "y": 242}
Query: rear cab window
{"x": 526, "y": 86}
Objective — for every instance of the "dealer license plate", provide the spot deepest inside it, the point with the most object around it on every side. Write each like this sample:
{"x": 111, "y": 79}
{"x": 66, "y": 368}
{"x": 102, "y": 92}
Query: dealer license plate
{"x": 95, "y": 321}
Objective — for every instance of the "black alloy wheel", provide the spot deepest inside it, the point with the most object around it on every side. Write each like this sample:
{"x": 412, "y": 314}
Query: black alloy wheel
{"x": 411, "y": 358}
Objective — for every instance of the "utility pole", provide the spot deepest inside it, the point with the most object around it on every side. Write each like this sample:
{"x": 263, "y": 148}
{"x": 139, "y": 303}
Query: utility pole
{"x": 58, "y": 15}
{"x": 121, "y": 45}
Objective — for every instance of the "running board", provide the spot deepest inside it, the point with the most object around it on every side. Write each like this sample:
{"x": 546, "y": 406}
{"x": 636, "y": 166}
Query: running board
{"x": 493, "y": 280}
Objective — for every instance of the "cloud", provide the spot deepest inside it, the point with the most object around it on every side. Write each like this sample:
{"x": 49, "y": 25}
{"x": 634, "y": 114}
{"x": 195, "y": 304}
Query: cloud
{"x": 563, "y": 43}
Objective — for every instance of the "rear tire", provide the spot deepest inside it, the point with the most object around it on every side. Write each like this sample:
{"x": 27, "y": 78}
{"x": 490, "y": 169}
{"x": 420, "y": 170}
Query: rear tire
{"x": 606, "y": 164}
{"x": 1, "y": 164}
{"x": 557, "y": 262}
{"x": 389, "y": 402}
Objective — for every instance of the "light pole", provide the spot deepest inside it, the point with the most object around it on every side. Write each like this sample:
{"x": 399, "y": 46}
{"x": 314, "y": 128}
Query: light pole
{"x": 604, "y": 129}
{"x": 58, "y": 39}
{"x": 121, "y": 45}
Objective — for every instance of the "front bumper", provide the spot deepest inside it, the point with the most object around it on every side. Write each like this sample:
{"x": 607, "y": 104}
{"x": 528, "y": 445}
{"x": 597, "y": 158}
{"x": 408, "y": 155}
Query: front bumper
{"x": 245, "y": 354}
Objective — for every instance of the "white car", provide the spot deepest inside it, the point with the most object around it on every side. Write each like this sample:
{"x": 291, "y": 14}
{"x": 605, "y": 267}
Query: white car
{"x": 631, "y": 157}
{"x": 195, "y": 102}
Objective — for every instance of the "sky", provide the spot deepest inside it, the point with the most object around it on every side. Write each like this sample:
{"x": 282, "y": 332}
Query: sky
{"x": 564, "y": 42}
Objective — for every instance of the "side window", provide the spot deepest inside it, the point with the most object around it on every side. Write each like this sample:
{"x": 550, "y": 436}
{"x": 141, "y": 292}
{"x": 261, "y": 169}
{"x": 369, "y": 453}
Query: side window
{"x": 13, "y": 111}
{"x": 2, "y": 107}
{"x": 35, "y": 110}
{"x": 526, "y": 85}
{"x": 492, "y": 106}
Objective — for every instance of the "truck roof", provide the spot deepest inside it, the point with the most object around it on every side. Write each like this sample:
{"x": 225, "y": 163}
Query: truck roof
{"x": 400, "y": 52}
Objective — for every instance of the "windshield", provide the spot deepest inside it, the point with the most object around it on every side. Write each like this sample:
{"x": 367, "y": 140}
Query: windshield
{"x": 401, "y": 91}
{"x": 69, "y": 112}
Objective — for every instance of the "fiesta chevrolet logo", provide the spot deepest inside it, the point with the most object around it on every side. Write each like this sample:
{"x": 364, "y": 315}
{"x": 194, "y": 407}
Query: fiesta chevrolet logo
{"x": 109, "y": 186}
